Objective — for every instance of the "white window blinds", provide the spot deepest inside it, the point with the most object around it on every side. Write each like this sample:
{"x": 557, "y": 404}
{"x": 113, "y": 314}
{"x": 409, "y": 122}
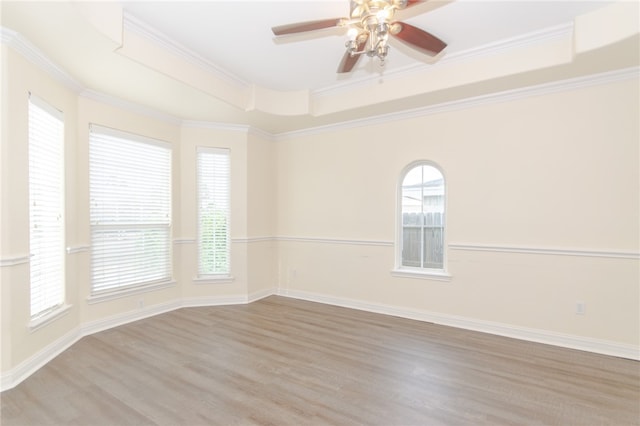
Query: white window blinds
{"x": 130, "y": 211}
{"x": 213, "y": 169}
{"x": 46, "y": 195}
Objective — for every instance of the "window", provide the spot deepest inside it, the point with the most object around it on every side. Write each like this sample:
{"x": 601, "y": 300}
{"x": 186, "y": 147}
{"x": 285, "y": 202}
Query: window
{"x": 46, "y": 223}
{"x": 130, "y": 211}
{"x": 213, "y": 212}
{"x": 422, "y": 219}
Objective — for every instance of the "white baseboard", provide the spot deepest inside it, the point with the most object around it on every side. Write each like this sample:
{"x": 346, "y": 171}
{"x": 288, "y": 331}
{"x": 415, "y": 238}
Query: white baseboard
{"x": 29, "y": 366}
{"x": 604, "y": 347}
{"x": 261, "y": 294}
{"x": 127, "y": 317}
{"x": 196, "y": 302}
{"x": 32, "y": 364}
{"x": 241, "y": 299}
{"x": 16, "y": 375}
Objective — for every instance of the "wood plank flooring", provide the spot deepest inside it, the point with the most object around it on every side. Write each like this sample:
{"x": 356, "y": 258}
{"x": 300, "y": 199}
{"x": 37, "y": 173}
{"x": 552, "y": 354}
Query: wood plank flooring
{"x": 281, "y": 361}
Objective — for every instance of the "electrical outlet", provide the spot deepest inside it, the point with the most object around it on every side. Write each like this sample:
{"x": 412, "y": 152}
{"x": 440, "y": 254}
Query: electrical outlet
{"x": 140, "y": 304}
{"x": 580, "y": 308}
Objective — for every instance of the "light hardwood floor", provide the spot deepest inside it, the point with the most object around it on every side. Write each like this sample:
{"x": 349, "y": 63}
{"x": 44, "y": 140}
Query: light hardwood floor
{"x": 281, "y": 361}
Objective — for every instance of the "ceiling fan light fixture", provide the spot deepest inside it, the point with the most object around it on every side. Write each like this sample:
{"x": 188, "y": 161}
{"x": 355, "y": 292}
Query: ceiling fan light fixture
{"x": 369, "y": 25}
{"x": 372, "y": 20}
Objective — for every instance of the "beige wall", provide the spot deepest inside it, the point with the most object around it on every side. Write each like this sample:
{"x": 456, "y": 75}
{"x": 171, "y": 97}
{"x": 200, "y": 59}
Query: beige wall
{"x": 19, "y": 79}
{"x": 554, "y": 173}
{"x": 550, "y": 179}
{"x": 261, "y": 215}
{"x": 23, "y": 349}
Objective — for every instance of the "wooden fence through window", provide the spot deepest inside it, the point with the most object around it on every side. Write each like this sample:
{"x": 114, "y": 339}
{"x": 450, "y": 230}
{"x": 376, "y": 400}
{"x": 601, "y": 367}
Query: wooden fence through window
{"x": 423, "y": 240}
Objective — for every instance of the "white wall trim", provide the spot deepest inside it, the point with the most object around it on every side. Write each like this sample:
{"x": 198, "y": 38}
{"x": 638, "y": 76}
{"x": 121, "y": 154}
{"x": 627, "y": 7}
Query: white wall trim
{"x": 213, "y": 280}
{"x": 26, "y": 368}
{"x": 616, "y": 254}
{"x": 476, "y": 101}
{"x": 545, "y": 35}
{"x": 32, "y": 53}
{"x": 29, "y": 366}
{"x": 196, "y": 302}
{"x": 127, "y": 317}
{"x": 336, "y": 241}
{"x": 29, "y": 51}
{"x": 194, "y": 124}
{"x": 239, "y": 240}
{"x": 143, "y": 29}
{"x": 239, "y": 299}
{"x": 242, "y": 128}
{"x": 540, "y": 36}
{"x": 184, "y": 241}
{"x": 32, "y": 364}
{"x": 421, "y": 274}
{"x": 553, "y": 251}
{"x": 14, "y": 260}
{"x": 255, "y": 131}
{"x": 78, "y": 249}
{"x": 38, "y": 323}
{"x": 261, "y": 294}
{"x": 247, "y": 240}
{"x": 522, "y": 333}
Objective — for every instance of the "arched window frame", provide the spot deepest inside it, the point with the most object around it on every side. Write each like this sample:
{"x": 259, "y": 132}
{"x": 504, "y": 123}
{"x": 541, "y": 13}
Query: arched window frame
{"x": 418, "y": 272}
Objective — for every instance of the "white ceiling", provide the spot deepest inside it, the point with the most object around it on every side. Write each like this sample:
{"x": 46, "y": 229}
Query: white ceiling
{"x": 237, "y": 34}
{"x": 234, "y": 39}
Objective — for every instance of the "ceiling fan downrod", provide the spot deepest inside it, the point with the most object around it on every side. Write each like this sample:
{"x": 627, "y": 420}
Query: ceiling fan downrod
{"x": 370, "y": 32}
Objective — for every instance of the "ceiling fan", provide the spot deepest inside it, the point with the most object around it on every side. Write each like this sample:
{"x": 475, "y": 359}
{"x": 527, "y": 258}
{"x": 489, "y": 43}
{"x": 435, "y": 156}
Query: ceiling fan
{"x": 370, "y": 23}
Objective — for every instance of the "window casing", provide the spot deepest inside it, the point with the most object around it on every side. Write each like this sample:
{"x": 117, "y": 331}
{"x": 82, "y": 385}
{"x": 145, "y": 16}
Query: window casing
{"x": 130, "y": 211}
{"x": 46, "y": 208}
{"x": 421, "y": 220}
{"x": 214, "y": 202}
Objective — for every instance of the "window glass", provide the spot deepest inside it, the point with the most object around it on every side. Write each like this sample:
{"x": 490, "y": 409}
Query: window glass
{"x": 422, "y": 218}
{"x": 46, "y": 218}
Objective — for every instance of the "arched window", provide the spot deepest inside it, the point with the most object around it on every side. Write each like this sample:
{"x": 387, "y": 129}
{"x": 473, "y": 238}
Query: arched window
{"x": 421, "y": 220}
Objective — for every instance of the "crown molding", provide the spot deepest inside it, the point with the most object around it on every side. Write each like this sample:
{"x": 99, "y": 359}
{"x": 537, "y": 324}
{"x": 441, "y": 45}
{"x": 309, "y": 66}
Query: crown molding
{"x": 243, "y": 128}
{"x": 129, "y": 106}
{"x": 133, "y": 24}
{"x": 195, "y": 124}
{"x": 29, "y": 51}
{"x": 554, "y": 33}
{"x": 492, "y": 98}
{"x": 32, "y": 53}
{"x": 545, "y": 35}
{"x": 262, "y": 134}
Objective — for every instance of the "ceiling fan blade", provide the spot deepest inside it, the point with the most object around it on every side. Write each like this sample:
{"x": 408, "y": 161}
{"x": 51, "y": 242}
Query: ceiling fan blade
{"x": 348, "y": 61}
{"x": 417, "y": 38}
{"x": 301, "y": 27}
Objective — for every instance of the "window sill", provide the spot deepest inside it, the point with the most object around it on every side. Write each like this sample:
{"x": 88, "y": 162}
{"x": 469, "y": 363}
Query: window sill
{"x": 118, "y": 294}
{"x": 424, "y": 275}
{"x": 213, "y": 279}
{"x": 48, "y": 318}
